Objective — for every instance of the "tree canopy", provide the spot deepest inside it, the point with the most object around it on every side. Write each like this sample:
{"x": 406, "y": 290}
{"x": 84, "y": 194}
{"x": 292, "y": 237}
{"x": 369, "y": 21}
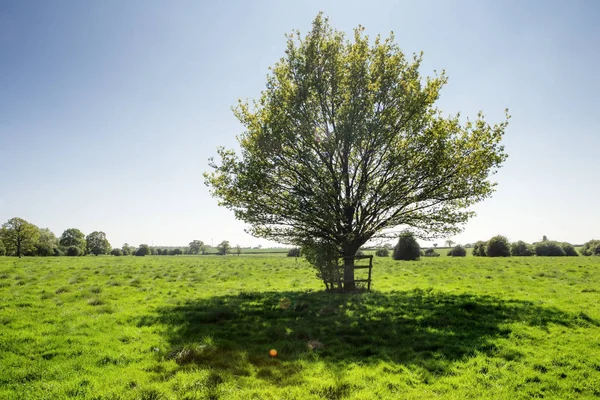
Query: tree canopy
{"x": 346, "y": 144}
{"x": 19, "y": 236}
{"x": 73, "y": 237}
{"x": 97, "y": 243}
{"x": 197, "y": 247}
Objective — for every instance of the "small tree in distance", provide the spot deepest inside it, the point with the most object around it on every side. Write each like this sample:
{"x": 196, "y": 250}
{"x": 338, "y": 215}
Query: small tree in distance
{"x": 497, "y": 247}
{"x": 223, "y": 248}
{"x": 591, "y": 248}
{"x": 143, "y": 250}
{"x": 479, "y": 248}
{"x": 521, "y": 249}
{"x": 97, "y": 243}
{"x": 457, "y": 251}
{"x": 407, "y": 249}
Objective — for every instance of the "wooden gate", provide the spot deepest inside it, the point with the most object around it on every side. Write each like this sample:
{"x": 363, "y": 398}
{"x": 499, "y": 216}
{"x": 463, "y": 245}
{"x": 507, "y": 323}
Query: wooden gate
{"x": 335, "y": 279}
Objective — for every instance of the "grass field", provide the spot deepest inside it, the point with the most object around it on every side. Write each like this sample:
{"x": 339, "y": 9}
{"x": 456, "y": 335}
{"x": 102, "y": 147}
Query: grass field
{"x": 202, "y": 327}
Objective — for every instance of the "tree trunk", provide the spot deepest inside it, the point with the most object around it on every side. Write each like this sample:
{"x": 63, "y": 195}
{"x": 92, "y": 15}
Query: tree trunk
{"x": 349, "y": 283}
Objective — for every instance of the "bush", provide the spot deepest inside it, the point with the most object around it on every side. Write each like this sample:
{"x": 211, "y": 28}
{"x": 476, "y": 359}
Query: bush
{"x": 569, "y": 249}
{"x": 521, "y": 249}
{"x": 457, "y": 251}
{"x": 431, "y": 253}
{"x": 73, "y": 251}
{"x": 549, "y": 249}
{"x": 382, "y": 252}
{"x": 117, "y": 252}
{"x": 497, "y": 247}
{"x": 58, "y": 252}
{"x": 295, "y": 252}
{"x": 479, "y": 248}
{"x": 359, "y": 253}
{"x": 591, "y": 248}
{"x": 407, "y": 248}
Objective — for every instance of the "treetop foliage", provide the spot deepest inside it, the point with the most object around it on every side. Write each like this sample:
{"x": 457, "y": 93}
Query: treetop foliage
{"x": 345, "y": 143}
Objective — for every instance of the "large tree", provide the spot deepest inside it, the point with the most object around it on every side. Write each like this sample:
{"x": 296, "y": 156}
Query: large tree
{"x": 97, "y": 243}
{"x": 19, "y": 237}
{"x": 47, "y": 243}
{"x": 346, "y": 144}
{"x": 197, "y": 247}
{"x": 73, "y": 237}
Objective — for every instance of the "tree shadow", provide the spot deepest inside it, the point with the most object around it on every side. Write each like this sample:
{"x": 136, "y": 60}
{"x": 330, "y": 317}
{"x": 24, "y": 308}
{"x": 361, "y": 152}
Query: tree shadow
{"x": 424, "y": 329}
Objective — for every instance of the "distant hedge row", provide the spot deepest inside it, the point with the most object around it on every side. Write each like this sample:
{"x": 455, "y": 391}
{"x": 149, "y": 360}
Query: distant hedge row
{"x": 498, "y": 246}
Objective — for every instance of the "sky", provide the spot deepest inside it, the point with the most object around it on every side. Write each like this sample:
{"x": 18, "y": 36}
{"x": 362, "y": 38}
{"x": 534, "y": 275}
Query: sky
{"x": 110, "y": 110}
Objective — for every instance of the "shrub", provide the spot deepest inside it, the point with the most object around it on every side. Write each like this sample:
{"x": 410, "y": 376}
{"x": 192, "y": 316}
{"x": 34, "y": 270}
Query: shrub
{"x": 497, "y": 247}
{"x": 359, "y": 253}
{"x": 457, "y": 251}
{"x": 117, "y": 252}
{"x": 295, "y": 252}
{"x": 521, "y": 249}
{"x": 407, "y": 248}
{"x": 382, "y": 252}
{"x": 479, "y": 248}
{"x": 73, "y": 251}
{"x": 431, "y": 253}
{"x": 569, "y": 249}
{"x": 548, "y": 249}
{"x": 591, "y": 248}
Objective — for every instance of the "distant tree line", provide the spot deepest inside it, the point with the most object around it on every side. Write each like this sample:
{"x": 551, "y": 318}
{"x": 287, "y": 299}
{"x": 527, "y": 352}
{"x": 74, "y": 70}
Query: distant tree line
{"x": 407, "y": 248}
{"x": 19, "y": 238}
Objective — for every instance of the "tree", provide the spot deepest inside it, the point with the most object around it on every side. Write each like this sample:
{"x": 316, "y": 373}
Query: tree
{"x": 407, "y": 248}
{"x": 73, "y": 237}
{"x": 435, "y": 245}
{"x": 449, "y": 243}
{"x": 2, "y": 248}
{"x": 127, "y": 249}
{"x": 544, "y": 238}
{"x": 521, "y": 248}
{"x": 238, "y": 250}
{"x": 569, "y": 249}
{"x": 97, "y": 243}
{"x": 457, "y": 251}
{"x": 479, "y": 248}
{"x": 19, "y": 236}
{"x": 497, "y": 247}
{"x": 223, "y": 248}
{"x": 548, "y": 248}
{"x": 345, "y": 144}
{"x": 143, "y": 250}
{"x": 116, "y": 252}
{"x": 197, "y": 247}
{"x": 591, "y": 248}
{"x": 47, "y": 243}
{"x": 294, "y": 252}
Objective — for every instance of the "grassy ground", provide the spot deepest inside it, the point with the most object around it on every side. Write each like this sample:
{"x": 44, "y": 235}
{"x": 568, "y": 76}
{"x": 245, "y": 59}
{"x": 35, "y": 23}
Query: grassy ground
{"x": 202, "y": 328}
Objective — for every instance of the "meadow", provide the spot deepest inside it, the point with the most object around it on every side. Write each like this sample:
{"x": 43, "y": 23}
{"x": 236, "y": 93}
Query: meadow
{"x": 201, "y": 327}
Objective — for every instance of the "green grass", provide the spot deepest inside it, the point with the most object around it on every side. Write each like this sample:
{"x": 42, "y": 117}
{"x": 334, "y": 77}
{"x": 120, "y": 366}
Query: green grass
{"x": 202, "y": 327}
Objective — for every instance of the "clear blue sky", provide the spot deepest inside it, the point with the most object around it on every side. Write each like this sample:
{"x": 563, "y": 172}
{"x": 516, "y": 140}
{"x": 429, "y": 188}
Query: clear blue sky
{"x": 109, "y": 110}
